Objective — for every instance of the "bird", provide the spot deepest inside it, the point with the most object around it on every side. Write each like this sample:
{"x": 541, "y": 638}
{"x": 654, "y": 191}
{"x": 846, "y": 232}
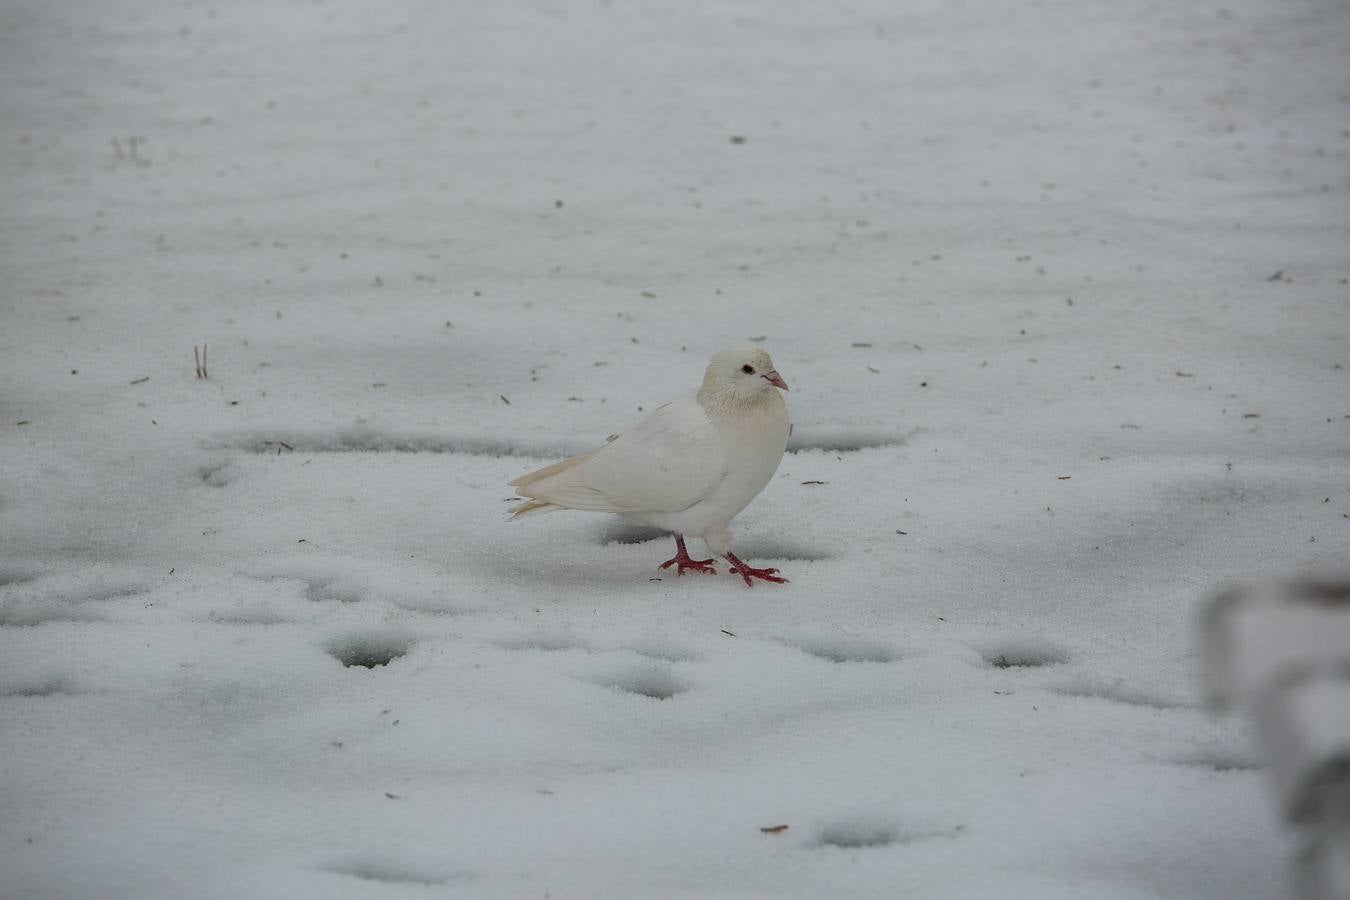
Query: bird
{"x": 688, "y": 467}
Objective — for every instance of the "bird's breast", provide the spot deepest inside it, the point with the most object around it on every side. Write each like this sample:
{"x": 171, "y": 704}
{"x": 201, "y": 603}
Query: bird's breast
{"x": 752, "y": 448}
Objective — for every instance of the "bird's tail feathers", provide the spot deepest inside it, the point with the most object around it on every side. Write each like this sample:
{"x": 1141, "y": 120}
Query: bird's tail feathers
{"x": 533, "y": 508}
{"x": 549, "y": 471}
{"x": 560, "y": 486}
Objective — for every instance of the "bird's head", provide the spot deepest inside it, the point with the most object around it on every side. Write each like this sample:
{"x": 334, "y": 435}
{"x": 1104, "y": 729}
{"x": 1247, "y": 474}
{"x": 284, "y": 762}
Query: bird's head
{"x": 743, "y": 372}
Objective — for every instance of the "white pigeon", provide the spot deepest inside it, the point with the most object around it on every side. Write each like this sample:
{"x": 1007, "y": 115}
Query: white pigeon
{"x": 689, "y": 467}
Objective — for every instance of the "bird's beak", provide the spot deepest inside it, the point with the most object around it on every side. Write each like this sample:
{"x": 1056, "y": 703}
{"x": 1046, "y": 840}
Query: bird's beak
{"x": 776, "y": 380}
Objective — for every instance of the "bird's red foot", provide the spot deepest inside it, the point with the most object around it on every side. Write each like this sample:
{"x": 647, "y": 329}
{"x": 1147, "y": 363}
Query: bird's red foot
{"x": 681, "y": 560}
{"x": 747, "y": 572}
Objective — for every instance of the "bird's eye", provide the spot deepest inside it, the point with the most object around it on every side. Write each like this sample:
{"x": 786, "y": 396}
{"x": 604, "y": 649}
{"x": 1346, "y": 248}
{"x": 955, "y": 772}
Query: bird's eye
{"x": 748, "y": 369}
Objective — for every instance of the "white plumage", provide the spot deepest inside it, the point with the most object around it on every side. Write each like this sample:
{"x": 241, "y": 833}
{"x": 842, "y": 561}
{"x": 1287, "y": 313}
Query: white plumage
{"x": 689, "y": 467}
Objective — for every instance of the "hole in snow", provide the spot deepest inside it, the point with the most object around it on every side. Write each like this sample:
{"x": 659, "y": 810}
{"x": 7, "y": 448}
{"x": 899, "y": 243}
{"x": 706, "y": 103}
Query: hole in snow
{"x": 1018, "y": 654}
{"x": 369, "y": 650}
{"x": 391, "y": 871}
{"x": 645, "y": 681}
{"x": 859, "y": 834}
{"x": 846, "y": 650}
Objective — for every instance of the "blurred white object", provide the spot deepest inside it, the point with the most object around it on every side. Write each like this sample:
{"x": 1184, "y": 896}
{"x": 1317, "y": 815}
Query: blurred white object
{"x": 1281, "y": 651}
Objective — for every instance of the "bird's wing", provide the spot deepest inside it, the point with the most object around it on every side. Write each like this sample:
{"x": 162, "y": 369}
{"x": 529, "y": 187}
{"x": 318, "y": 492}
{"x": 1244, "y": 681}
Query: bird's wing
{"x": 666, "y": 463}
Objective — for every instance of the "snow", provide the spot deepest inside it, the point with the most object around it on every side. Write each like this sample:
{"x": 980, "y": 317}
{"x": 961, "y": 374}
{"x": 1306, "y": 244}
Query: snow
{"x": 1061, "y": 292}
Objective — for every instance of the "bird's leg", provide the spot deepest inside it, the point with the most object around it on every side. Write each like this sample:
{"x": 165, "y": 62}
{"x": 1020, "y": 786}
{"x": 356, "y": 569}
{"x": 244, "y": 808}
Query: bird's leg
{"x": 747, "y": 572}
{"x": 682, "y": 561}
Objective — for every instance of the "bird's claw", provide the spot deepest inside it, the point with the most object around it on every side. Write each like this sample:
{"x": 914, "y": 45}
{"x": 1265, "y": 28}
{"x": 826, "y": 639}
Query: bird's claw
{"x": 748, "y": 572}
{"x": 698, "y": 565}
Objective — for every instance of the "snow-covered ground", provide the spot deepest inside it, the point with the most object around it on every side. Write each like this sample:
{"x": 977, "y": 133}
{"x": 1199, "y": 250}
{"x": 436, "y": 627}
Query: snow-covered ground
{"x": 1061, "y": 290}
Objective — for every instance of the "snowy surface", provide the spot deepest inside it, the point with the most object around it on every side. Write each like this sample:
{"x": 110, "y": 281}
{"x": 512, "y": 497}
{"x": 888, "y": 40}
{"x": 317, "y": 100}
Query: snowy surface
{"x": 1061, "y": 291}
